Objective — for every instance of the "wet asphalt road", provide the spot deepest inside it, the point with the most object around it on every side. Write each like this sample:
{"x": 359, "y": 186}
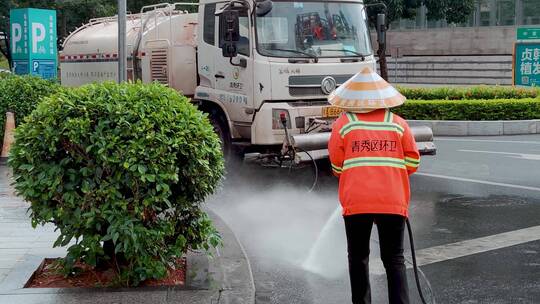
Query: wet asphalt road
{"x": 475, "y": 187}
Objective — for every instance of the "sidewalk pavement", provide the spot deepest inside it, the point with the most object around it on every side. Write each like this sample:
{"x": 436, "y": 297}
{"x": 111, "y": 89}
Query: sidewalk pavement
{"x": 224, "y": 278}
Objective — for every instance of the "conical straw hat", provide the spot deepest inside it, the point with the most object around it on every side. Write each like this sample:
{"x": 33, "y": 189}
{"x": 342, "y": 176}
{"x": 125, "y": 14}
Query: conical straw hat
{"x": 364, "y": 92}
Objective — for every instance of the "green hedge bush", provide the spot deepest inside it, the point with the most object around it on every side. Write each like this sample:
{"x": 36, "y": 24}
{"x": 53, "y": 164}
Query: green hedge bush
{"x": 122, "y": 170}
{"x": 495, "y": 109}
{"x": 21, "y": 94}
{"x": 469, "y": 93}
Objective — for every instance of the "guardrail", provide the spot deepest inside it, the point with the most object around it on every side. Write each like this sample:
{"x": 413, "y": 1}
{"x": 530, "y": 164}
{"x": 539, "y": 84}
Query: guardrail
{"x": 451, "y": 70}
{"x": 479, "y": 128}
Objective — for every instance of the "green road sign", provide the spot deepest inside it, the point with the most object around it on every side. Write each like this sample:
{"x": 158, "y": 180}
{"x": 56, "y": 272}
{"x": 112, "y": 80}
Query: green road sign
{"x": 33, "y": 42}
{"x": 527, "y": 64}
{"x": 528, "y": 33}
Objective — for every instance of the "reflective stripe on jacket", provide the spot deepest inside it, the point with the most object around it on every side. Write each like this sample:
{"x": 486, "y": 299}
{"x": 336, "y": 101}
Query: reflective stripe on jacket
{"x": 373, "y": 155}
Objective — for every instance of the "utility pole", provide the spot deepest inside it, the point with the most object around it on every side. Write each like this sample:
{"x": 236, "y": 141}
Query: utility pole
{"x": 122, "y": 53}
{"x": 381, "y": 39}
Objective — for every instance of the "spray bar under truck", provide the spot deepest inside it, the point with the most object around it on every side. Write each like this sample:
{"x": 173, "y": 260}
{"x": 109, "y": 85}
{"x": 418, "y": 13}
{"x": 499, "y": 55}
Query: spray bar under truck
{"x": 253, "y": 66}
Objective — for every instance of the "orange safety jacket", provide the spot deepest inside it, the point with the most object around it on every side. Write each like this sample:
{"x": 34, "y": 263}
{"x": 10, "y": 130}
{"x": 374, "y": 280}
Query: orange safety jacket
{"x": 373, "y": 155}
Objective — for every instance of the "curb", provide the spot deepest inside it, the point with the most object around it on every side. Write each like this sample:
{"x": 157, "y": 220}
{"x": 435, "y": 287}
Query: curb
{"x": 479, "y": 128}
{"x": 236, "y": 277}
{"x": 225, "y": 277}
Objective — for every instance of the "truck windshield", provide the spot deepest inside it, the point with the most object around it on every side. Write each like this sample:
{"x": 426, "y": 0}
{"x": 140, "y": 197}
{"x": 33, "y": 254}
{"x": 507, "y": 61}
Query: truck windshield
{"x": 307, "y": 29}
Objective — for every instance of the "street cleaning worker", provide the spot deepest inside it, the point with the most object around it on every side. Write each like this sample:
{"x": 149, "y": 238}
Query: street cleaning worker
{"x": 373, "y": 152}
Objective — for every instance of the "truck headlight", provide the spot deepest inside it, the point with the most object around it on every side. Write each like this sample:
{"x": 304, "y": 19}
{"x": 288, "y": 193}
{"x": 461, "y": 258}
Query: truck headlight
{"x": 276, "y": 119}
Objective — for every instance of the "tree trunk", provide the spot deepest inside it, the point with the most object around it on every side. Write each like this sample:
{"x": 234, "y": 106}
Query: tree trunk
{"x": 114, "y": 259}
{"x": 8, "y": 48}
{"x": 108, "y": 248}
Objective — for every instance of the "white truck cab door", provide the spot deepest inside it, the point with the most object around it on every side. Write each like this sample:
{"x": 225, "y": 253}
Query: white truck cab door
{"x": 208, "y": 45}
{"x": 234, "y": 84}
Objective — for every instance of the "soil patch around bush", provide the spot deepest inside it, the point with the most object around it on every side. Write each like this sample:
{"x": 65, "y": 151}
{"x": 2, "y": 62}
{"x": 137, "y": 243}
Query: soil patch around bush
{"x": 48, "y": 276}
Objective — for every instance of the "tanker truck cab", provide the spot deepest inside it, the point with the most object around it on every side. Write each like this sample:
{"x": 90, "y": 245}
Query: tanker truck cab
{"x": 247, "y": 63}
{"x": 259, "y": 61}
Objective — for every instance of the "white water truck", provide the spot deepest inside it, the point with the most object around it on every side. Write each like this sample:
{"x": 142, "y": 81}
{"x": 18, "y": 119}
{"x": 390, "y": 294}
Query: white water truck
{"x": 253, "y": 66}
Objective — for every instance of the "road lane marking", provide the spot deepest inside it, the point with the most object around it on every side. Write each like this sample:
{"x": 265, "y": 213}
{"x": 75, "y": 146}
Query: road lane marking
{"x": 479, "y": 245}
{"x": 489, "y": 141}
{"x": 510, "y": 154}
{"x": 477, "y": 181}
{"x": 461, "y": 249}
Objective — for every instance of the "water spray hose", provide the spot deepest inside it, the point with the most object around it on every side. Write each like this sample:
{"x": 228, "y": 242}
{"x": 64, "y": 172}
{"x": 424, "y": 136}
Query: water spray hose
{"x": 283, "y": 119}
{"x": 315, "y": 169}
{"x": 411, "y": 240}
{"x": 416, "y": 269}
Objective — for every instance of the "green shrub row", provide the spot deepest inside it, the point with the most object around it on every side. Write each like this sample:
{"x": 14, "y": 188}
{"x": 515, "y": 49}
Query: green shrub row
{"x": 21, "y": 94}
{"x": 469, "y": 93}
{"x": 121, "y": 170}
{"x": 495, "y": 109}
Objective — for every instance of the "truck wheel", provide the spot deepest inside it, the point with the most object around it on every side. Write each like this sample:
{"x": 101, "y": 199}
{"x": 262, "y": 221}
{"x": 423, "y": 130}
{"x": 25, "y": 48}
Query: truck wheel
{"x": 222, "y": 131}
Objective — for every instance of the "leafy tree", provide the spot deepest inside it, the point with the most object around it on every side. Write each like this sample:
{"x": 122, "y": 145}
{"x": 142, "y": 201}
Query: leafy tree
{"x": 134, "y": 6}
{"x": 70, "y": 14}
{"x": 454, "y": 11}
{"x": 4, "y": 25}
{"x": 3, "y": 63}
{"x": 73, "y": 13}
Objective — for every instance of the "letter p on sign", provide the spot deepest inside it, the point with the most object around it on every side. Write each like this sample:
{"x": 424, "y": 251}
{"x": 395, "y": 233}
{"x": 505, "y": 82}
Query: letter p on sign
{"x": 17, "y": 35}
{"x": 37, "y": 37}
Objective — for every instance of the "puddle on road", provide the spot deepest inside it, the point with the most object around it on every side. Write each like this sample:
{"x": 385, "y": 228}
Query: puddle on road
{"x": 279, "y": 223}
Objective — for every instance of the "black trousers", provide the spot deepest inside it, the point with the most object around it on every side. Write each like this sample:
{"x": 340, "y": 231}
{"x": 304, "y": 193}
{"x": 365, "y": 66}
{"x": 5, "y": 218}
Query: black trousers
{"x": 391, "y": 228}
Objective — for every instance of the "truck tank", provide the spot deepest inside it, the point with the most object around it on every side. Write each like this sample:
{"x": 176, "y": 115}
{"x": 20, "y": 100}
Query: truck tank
{"x": 163, "y": 51}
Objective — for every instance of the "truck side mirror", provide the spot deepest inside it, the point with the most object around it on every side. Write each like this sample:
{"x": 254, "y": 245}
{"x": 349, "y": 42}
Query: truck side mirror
{"x": 229, "y": 31}
{"x": 381, "y": 29}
